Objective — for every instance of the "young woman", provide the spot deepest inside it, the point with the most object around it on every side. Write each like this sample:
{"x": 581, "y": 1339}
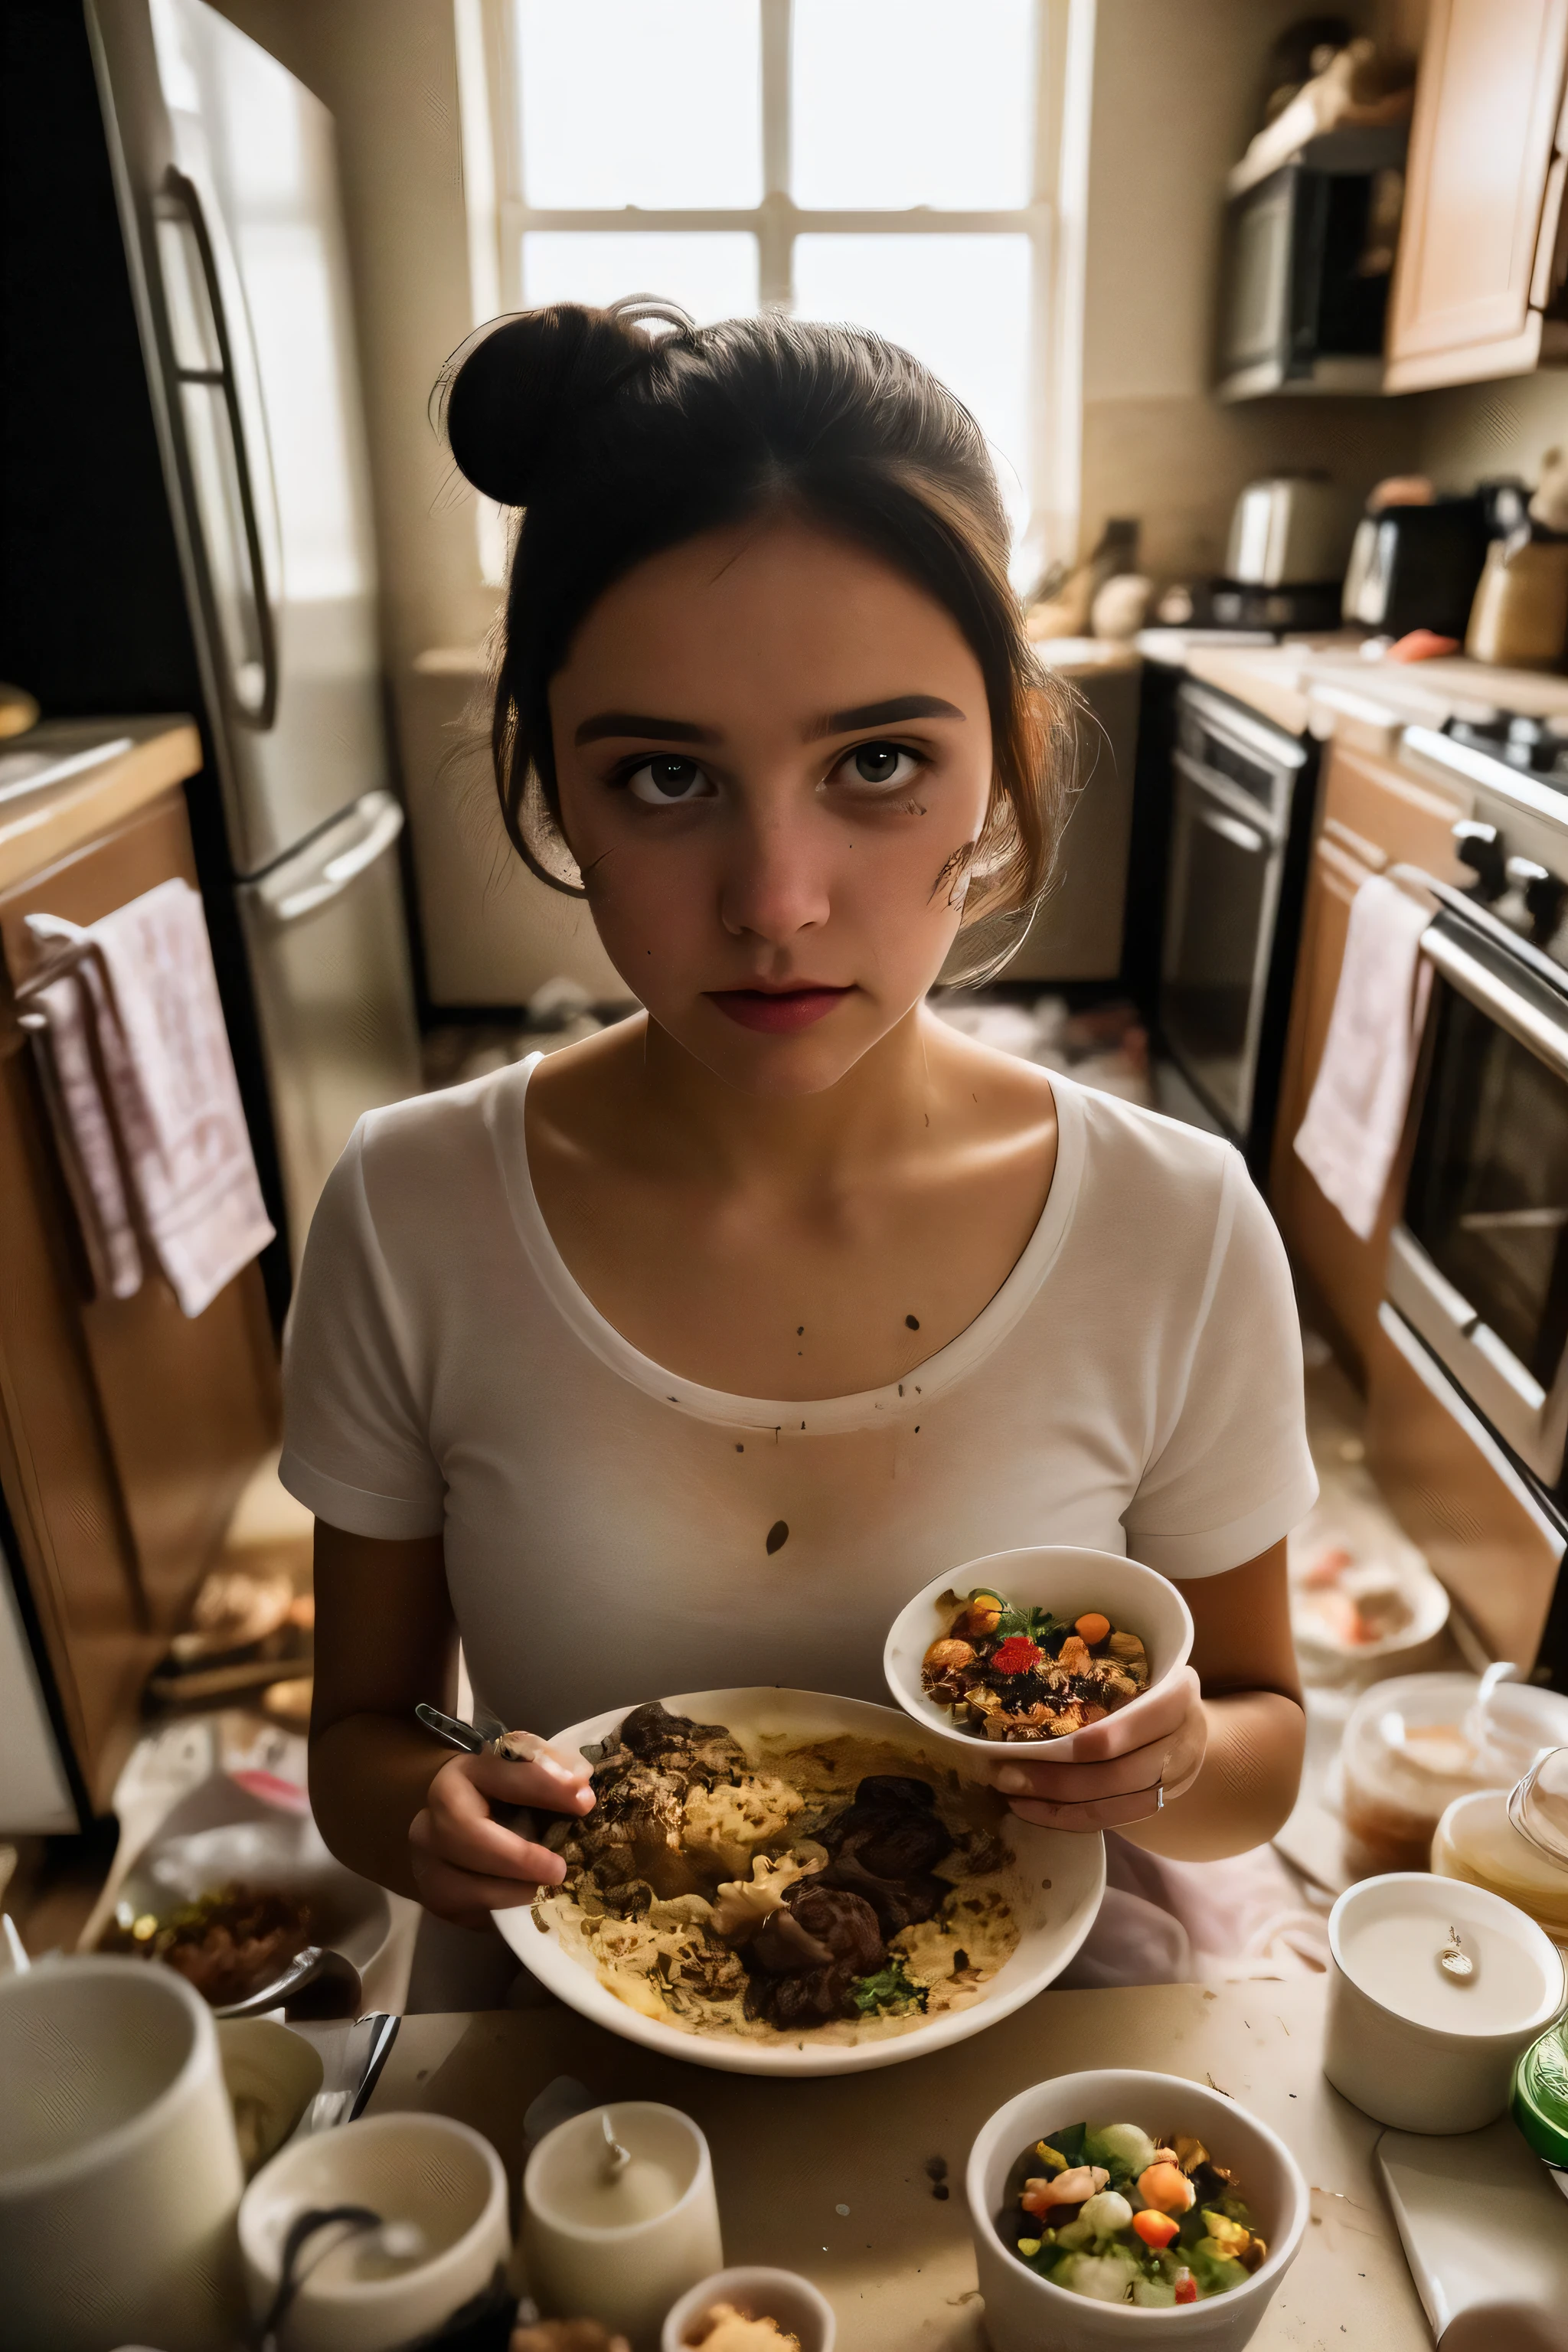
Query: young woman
{"x": 681, "y": 1358}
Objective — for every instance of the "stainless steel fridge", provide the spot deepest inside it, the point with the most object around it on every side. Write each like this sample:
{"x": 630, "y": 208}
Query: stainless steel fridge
{"x": 226, "y": 177}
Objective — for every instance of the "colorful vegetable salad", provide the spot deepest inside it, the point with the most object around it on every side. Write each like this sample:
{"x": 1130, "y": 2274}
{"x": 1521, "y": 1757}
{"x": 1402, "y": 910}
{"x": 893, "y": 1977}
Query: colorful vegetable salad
{"x": 1021, "y": 1673}
{"x": 1105, "y": 2210}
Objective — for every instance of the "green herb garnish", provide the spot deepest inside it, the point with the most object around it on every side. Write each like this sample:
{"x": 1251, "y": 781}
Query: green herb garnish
{"x": 889, "y": 1993}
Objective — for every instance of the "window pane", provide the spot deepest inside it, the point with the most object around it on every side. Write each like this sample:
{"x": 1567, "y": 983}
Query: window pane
{"x": 903, "y": 102}
{"x": 959, "y": 303}
{"x": 652, "y": 102}
{"x": 711, "y": 273}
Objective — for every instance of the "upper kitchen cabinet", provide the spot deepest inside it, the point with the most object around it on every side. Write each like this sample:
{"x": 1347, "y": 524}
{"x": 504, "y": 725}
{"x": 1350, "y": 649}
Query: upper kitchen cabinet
{"x": 1481, "y": 254}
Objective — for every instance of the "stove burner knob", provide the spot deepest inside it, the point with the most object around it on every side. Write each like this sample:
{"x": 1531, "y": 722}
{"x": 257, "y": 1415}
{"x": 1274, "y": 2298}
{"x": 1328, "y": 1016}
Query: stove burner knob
{"x": 1543, "y": 897}
{"x": 1480, "y": 846}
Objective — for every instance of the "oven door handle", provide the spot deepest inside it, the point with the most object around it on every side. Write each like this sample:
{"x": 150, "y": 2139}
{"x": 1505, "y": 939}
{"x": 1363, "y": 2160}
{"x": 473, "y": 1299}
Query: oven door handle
{"x": 1231, "y": 829}
{"x": 1533, "y": 1026}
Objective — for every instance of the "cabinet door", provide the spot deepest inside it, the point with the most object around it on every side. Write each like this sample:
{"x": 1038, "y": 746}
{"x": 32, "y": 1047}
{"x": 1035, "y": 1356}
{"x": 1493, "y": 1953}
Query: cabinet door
{"x": 1372, "y": 816}
{"x": 1480, "y": 151}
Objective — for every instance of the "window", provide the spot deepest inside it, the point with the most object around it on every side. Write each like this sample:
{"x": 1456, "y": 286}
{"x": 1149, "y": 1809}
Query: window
{"x": 887, "y": 161}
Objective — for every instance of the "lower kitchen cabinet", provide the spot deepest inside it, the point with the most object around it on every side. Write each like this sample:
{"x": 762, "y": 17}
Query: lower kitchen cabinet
{"x": 126, "y": 1430}
{"x": 1373, "y": 814}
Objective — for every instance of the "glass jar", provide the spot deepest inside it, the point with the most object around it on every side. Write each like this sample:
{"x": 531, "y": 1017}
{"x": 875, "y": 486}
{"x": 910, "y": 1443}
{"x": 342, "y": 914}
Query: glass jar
{"x": 1476, "y": 1840}
{"x": 1414, "y": 1745}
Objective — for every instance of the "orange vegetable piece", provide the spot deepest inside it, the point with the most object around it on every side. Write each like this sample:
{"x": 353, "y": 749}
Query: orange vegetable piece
{"x": 1187, "y": 2288}
{"x": 1156, "y": 2229}
{"x": 1093, "y": 1627}
{"x": 1166, "y": 2188}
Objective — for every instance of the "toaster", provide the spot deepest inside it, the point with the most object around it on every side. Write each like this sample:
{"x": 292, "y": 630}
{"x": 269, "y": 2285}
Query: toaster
{"x": 1417, "y": 568}
{"x": 1290, "y": 530}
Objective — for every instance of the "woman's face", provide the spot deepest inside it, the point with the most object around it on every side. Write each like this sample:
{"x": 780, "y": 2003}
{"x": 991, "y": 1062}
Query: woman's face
{"x": 774, "y": 754}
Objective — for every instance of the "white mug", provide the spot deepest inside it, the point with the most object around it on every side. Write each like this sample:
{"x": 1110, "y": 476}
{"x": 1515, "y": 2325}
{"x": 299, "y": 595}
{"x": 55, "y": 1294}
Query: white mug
{"x": 120, "y": 2176}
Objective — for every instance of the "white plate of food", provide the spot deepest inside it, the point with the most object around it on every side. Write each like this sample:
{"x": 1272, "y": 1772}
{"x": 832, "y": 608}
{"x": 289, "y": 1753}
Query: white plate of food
{"x": 733, "y": 1901}
{"x": 1028, "y": 1649}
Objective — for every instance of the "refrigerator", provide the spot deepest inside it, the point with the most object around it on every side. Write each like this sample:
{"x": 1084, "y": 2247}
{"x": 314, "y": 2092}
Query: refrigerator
{"x": 205, "y": 536}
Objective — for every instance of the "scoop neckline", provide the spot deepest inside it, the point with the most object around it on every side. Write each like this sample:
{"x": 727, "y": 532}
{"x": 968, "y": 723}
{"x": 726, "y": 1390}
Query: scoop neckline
{"x": 783, "y": 1418}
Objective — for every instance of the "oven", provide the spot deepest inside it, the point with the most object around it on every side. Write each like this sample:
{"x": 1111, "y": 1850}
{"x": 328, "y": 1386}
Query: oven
{"x": 1480, "y": 1263}
{"x": 1241, "y": 811}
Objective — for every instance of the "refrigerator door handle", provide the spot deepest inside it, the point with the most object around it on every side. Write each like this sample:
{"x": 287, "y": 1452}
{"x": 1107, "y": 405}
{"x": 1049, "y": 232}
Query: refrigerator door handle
{"x": 385, "y": 823}
{"x": 259, "y": 710}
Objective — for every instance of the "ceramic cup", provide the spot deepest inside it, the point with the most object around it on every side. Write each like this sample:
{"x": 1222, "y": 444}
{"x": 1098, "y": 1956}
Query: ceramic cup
{"x": 799, "y": 2309}
{"x": 1027, "y": 2313}
{"x": 598, "y": 2254}
{"x": 1421, "y": 2077}
{"x": 119, "y": 2175}
{"x": 436, "y": 2177}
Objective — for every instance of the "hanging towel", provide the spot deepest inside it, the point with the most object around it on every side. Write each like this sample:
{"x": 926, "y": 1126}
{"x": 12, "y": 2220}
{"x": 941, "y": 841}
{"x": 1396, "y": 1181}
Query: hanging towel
{"x": 136, "y": 1039}
{"x": 1350, "y": 1133}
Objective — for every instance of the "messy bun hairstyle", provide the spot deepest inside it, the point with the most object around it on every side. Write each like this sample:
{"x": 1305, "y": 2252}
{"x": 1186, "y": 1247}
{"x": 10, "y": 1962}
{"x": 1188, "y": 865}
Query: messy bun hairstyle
{"x": 616, "y": 444}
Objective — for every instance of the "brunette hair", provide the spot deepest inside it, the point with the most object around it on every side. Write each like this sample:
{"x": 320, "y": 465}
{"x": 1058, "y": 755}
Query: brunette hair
{"x": 618, "y": 445}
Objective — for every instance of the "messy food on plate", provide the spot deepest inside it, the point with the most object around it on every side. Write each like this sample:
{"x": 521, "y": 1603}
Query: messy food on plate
{"x": 722, "y": 2329}
{"x": 1105, "y": 2210}
{"x": 229, "y": 1943}
{"x": 1021, "y": 1673}
{"x": 838, "y": 1885}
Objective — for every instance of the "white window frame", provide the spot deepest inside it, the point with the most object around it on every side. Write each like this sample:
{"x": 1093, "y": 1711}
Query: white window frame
{"x": 498, "y": 218}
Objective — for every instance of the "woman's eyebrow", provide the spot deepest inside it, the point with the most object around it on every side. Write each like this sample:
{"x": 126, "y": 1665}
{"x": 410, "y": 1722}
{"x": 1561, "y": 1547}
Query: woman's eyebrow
{"x": 884, "y": 714}
{"x": 634, "y": 723}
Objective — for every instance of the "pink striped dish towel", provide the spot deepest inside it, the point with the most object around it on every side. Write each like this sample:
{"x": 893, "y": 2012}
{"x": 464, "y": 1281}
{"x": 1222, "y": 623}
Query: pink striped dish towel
{"x": 140, "y": 1081}
{"x": 1350, "y": 1135}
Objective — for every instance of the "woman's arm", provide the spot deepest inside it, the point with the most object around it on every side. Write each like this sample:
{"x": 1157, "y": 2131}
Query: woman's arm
{"x": 1221, "y": 1743}
{"x": 391, "y": 1799}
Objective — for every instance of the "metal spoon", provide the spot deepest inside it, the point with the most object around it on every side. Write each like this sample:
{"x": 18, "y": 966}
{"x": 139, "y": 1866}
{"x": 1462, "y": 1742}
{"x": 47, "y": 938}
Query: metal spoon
{"x": 302, "y": 1970}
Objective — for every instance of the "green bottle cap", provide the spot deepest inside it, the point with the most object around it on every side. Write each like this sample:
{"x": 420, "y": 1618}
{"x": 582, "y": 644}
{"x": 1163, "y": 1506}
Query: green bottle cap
{"x": 1540, "y": 2093}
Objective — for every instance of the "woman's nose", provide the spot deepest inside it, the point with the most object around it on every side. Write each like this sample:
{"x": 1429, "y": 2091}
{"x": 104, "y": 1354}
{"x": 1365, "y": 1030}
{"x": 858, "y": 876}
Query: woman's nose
{"x": 775, "y": 883}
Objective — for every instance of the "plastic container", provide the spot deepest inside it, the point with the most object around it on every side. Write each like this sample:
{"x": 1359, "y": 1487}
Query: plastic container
{"x": 1540, "y": 2101}
{"x": 1414, "y": 1745}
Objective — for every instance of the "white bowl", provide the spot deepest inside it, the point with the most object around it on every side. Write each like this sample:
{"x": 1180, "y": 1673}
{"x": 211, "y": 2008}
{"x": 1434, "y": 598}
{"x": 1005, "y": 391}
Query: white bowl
{"x": 799, "y": 2309}
{"x": 427, "y": 2169}
{"x": 1055, "y": 1888}
{"x": 1065, "y": 1579}
{"x": 1027, "y": 2313}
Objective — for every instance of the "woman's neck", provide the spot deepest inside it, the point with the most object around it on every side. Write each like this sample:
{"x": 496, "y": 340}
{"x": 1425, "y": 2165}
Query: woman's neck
{"x": 890, "y": 1105}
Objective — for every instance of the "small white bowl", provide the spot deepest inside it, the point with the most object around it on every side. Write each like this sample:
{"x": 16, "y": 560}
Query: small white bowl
{"x": 427, "y": 2169}
{"x": 760, "y": 2293}
{"x": 1027, "y": 2313}
{"x": 1065, "y": 1579}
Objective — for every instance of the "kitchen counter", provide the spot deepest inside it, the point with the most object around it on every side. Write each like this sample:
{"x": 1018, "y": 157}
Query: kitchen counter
{"x": 41, "y": 825}
{"x": 1325, "y": 687}
{"x": 833, "y": 2177}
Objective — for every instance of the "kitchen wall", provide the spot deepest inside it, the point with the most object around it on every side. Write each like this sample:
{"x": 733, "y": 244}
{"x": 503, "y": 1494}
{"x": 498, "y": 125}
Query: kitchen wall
{"x": 1175, "y": 91}
{"x": 1474, "y": 430}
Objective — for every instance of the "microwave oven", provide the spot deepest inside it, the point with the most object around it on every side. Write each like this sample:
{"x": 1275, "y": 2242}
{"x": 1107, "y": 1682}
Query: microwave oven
{"x": 1309, "y": 254}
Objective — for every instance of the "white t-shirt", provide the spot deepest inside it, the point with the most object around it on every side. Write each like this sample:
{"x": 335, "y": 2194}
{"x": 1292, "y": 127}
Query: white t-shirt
{"x": 613, "y": 1532}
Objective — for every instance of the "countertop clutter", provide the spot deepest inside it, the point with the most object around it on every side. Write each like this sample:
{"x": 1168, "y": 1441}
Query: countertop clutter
{"x": 858, "y": 2183}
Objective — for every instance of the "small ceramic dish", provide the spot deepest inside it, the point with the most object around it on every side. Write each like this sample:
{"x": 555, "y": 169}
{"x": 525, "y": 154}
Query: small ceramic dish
{"x": 271, "y": 2075}
{"x": 437, "y": 2182}
{"x": 1025, "y": 2312}
{"x": 1065, "y": 1579}
{"x": 782, "y": 2297}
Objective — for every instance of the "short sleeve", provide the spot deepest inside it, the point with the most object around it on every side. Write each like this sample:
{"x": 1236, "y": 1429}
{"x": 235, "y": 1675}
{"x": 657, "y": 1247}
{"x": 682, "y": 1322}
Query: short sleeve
{"x": 1230, "y": 1473}
{"x": 355, "y": 1446}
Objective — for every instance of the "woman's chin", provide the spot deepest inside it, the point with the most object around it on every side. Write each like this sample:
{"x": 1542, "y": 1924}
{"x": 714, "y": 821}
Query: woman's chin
{"x": 780, "y": 1064}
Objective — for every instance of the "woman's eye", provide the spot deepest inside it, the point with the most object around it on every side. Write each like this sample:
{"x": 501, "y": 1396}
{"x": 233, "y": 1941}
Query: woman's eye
{"x": 659, "y": 782}
{"x": 881, "y": 763}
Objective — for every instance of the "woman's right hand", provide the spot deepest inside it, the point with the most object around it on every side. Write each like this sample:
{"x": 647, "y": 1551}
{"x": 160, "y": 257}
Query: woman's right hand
{"x": 465, "y": 1864}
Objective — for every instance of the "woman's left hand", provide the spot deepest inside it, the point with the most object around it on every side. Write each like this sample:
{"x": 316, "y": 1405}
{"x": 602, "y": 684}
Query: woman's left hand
{"x": 1125, "y": 1769}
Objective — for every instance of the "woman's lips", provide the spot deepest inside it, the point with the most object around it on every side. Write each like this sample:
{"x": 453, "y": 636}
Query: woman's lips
{"x": 779, "y": 1011}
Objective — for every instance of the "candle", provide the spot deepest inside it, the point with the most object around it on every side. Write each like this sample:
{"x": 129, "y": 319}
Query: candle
{"x": 620, "y": 2217}
{"x": 1436, "y": 1986}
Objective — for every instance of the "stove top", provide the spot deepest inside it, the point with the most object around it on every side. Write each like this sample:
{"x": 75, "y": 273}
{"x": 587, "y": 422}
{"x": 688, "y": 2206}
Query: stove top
{"x": 1537, "y": 747}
